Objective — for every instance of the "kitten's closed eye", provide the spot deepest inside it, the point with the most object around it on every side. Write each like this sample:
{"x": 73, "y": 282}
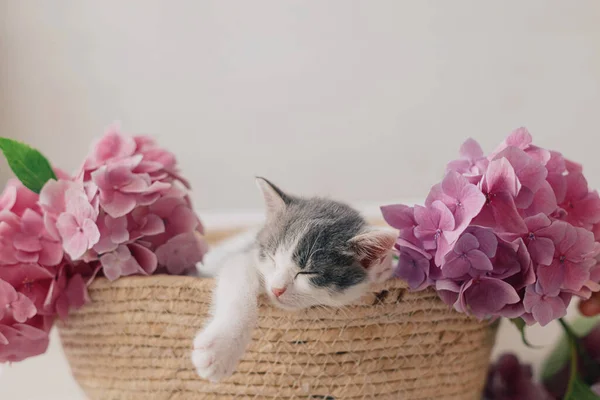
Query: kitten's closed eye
{"x": 309, "y": 273}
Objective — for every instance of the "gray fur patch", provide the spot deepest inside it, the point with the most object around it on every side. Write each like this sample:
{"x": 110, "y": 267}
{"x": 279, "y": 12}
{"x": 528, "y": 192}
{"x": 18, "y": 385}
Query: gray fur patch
{"x": 320, "y": 230}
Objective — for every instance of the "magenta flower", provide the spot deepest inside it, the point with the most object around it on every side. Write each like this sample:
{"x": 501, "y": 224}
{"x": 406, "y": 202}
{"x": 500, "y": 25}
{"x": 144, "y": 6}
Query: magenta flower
{"x": 544, "y": 307}
{"x": 531, "y": 175}
{"x": 484, "y": 297}
{"x": 466, "y": 259}
{"x": 541, "y": 237}
{"x": 515, "y": 236}
{"x": 582, "y": 206}
{"x": 413, "y": 267}
{"x": 508, "y": 379}
{"x": 572, "y": 263}
{"x": 402, "y": 218}
{"x": 435, "y": 228}
{"x": 557, "y": 179}
{"x": 500, "y": 187}
{"x": 521, "y": 139}
{"x": 462, "y": 198}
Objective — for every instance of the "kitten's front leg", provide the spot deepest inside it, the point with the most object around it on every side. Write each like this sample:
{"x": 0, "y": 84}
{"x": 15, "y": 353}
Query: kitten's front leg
{"x": 220, "y": 345}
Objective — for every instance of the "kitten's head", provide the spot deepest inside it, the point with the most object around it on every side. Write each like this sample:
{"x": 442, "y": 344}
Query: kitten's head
{"x": 314, "y": 251}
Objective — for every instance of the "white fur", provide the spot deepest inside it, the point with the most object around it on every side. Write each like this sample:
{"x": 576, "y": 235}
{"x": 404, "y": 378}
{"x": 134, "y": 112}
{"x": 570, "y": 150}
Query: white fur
{"x": 241, "y": 279}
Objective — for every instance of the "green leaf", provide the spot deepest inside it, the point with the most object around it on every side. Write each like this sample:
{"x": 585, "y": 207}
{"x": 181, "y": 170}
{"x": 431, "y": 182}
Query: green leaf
{"x": 28, "y": 164}
{"x": 559, "y": 356}
{"x": 520, "y": 324}
{"x": 578, "y": 390}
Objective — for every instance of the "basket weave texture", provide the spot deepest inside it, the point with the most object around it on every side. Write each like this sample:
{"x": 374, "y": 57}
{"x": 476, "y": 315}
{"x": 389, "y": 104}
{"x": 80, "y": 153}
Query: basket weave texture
{"x": 133, "y": 342}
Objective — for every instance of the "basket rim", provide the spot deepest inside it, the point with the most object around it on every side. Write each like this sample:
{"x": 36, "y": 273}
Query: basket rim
{"x": 204, "y": 284}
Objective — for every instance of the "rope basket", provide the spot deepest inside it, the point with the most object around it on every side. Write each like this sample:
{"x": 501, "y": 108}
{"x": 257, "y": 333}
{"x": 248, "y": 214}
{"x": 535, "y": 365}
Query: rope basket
{"x": 133, "y": 341}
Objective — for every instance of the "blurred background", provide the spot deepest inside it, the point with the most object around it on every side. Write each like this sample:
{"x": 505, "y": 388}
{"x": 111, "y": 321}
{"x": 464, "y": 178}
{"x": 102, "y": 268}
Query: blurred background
{"x": 359, "y": 100}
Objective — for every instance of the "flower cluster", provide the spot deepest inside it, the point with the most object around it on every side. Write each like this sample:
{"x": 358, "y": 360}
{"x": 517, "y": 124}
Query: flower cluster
{"x": 508, "y": 379}
{"x": 507, "y": 235}
{"x": 123, "y": 213}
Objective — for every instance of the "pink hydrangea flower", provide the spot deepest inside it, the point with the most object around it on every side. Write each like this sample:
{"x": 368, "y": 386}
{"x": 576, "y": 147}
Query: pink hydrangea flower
{"x": 414, "y": 268}
{"x": 126, "y": 212}
{"x": 77, "y": 225}
{"x": 112, "y": 146}
{"x": 21, "y": 341}
{"x": 472, "y": 163}
{"x": 16, "y": 304}
{"x": 582, "y": 207}
{"x": 485, "y": 296}
{"x": 514, "y": 234}
{"x": 462, "y": 198}
{"x": 500, "y": 187}
{"x": 544, "y": 307}
{"x": 121, "y": 189}
{"x": 435, "y": 228}
{"x": 466, "y": 259}
{"x": 131, "y": 259}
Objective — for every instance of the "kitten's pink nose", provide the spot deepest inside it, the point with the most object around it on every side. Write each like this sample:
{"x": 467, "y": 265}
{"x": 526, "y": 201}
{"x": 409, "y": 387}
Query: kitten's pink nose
{"x": 278, "y": 291}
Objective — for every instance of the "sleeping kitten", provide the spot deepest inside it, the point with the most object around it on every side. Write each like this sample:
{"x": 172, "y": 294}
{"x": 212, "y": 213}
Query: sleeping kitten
{"x": 309, "y": 252}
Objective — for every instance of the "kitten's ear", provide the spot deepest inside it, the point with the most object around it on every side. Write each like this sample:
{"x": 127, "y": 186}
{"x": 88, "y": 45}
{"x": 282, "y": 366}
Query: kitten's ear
{"x": 275, "y": 199}
{"x": 374, "y": 246}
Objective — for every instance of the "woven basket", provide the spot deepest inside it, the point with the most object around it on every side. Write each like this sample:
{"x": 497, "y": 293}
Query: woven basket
{"x": 134, "y": 341}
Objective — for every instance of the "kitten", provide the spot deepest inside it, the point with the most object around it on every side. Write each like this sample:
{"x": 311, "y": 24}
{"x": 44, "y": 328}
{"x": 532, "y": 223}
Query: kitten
{"x": 310, "y": 251}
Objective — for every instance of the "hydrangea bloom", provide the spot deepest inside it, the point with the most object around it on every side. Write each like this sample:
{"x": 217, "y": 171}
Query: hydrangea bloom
{"x": 520, "y": 224}
{"x": 35, "y": 283}
{"x": 125, "y": 212}
{"x": 508, "y": 379}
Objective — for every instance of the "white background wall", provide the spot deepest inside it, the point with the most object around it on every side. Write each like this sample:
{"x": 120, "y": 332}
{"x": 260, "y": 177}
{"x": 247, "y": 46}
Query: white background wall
{"x": 361, "y": 100}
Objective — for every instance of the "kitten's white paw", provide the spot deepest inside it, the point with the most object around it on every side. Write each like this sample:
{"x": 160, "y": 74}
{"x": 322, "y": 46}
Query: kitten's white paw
{"x": 217, "y": 352}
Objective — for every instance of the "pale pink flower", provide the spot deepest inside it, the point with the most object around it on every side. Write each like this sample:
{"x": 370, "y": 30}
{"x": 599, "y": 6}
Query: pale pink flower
{"x": 472, "y": 163}
{"x": 121, "y": 189}
{"x": 16, "y": 198}
{"x": 112, "y": 146}
{"x": 77, "y": 225}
